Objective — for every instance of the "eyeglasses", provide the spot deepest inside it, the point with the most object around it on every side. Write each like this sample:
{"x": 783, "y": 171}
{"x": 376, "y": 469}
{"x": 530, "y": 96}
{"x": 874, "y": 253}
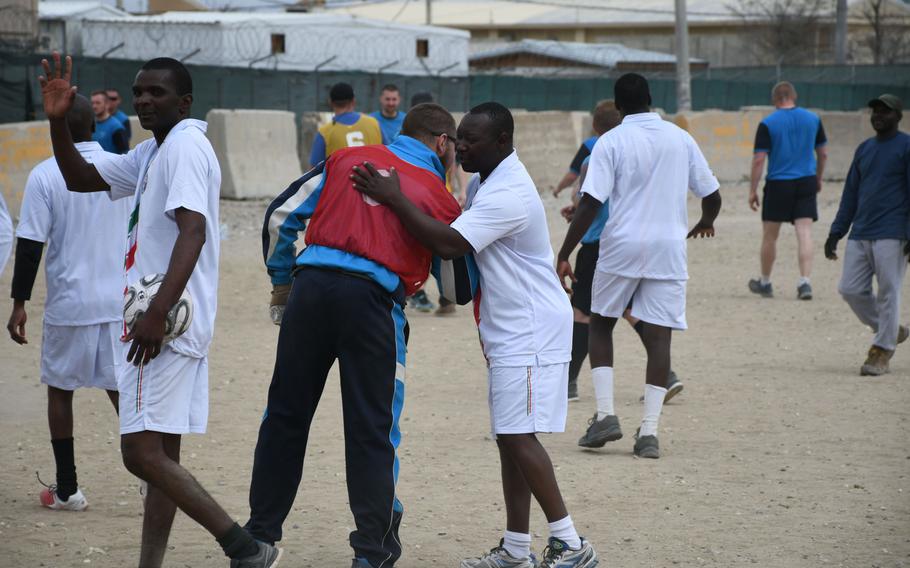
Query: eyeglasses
{"x": 449, "y": 137}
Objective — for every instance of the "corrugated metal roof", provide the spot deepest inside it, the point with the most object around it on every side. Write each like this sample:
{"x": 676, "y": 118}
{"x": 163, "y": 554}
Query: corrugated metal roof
{"x": 286, "y": 19}
{"x": 601, "y": 54}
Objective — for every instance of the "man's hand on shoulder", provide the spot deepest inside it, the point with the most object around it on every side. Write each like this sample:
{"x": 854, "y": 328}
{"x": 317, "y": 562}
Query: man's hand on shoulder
{"x": 380, "y": 186}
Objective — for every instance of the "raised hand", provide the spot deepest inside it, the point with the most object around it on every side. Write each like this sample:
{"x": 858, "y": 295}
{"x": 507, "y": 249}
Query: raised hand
{"x": 56, "y": 90}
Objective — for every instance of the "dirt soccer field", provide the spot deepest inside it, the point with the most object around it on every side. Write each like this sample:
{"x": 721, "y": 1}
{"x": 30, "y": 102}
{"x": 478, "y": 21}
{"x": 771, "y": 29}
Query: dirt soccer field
{"x": 776, "y": 454}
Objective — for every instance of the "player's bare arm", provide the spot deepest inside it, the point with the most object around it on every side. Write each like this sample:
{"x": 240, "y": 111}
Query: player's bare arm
{"x": 585, "y": 213}
{"x": 148, "y": 333}
{"x": 57, "y": 94}
{"x": 821, "y": 158}
{"x": 758, "y": 167}
{"x": 710, "y": 209}
{"x": 441, "y": 239}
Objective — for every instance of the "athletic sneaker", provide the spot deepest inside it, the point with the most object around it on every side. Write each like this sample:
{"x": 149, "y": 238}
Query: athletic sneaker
{"x": 557, "y": 554}
{"x": 763, "y": 290}
{"x": 646, "y": 446}
{"x": 674, "y": 387}
{"x": 445, "y": 309}
{"x": 76, "y": 501}
{"x": 573, "y": 389}
{"x": 876, "y": 362}
{"x": 499, "y": 557}
{"x": 267, "y": 557}
{"x": 804, "y": 291}
{"x": 421, "y": 302}
{"x": 601, "y": 431}
{"x": 903, "y": 332}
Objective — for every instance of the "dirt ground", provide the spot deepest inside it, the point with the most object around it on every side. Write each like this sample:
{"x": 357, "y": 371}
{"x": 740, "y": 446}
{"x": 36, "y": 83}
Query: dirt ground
{"x": 777, "y": 453}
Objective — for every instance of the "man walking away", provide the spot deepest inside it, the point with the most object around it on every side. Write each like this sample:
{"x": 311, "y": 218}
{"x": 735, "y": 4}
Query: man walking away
{"x": 787, "y": 139}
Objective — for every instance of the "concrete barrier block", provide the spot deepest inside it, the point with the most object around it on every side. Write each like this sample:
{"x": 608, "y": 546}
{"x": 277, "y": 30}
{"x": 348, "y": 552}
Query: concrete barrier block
{"x": 306, "y": 133}
{"x": 22, "y": 146}
{"x": 845, "y": 131}
{"x": 546, "y": 142}
{"x": 257, "y": 150}
{"x": 137, "y": 133}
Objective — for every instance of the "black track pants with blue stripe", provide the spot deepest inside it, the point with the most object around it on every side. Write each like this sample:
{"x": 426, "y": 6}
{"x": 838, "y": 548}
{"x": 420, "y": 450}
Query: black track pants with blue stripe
{"x": 332, "y": 315}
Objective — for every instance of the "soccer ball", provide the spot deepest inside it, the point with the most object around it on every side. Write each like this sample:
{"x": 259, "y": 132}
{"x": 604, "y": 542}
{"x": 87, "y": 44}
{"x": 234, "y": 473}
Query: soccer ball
{"x": 139, "y": 296}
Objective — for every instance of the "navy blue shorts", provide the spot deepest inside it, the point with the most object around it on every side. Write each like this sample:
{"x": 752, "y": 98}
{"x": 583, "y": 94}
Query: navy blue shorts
{"x": 785, "y": 200}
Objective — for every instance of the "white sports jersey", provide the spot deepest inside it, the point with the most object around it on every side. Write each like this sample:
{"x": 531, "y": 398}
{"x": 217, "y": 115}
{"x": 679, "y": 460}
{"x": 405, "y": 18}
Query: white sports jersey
{"x": 525, "y": 315}
{"x": 85, "y": 235}
{"x": 6, "y": 234}
{"x": 182, "y": 172}
{"x": 644, "y": 167}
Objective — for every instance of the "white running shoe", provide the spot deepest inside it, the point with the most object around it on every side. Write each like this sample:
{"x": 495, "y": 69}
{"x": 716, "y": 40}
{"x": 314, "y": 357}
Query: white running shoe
{"x": 559, "y": 555}
{"x": 76, "y": 501}
{"x": 498, "y": 557}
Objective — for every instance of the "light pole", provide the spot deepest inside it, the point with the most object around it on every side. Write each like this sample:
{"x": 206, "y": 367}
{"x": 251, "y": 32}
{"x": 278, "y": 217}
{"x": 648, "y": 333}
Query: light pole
{"x": 683, "y": 79}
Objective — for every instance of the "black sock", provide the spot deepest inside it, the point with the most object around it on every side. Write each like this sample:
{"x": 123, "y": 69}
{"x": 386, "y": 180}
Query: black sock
{"x": 66, "y": 467}
{"x": 238, "y": 543}
{"x": 579, "y": 349}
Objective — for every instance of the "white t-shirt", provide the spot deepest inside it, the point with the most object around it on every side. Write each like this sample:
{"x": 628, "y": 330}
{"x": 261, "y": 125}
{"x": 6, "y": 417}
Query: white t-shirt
{"x": 525, "y": 315}
{"x": 182, "y": 172}
{"x": 6, "y": 234}
{"x": 644, "y": 167}
{"x": 85, "y": 235}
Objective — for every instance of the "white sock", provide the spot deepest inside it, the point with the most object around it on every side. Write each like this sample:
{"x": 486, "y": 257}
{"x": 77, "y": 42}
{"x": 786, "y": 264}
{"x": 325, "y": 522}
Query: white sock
{"x": 603, "y": 390}
{"x": 518, "y": 545}
{"x": 765, "y": 280}
{"x": 803, "y": 280}
{"x": 564, "y": 530}
{"x": 654, "y": 401}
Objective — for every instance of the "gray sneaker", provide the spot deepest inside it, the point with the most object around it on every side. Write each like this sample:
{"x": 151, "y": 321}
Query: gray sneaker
{"x": 498, "y": 557}
{"x": 804, "y": 291}
{"x": 763, "y": 290}
{"x": 674, "y": 387}
{"x": 646, "y": 447}
{"x": 559, "y": 555}
{"x": 600, "y": 432}
{"x": 267, "y": 557}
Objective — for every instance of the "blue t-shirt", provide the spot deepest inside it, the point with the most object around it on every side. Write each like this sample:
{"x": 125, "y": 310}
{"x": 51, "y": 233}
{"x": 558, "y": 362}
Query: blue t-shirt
{"x": 876, "y": 198}
{"x": 790, "y": 137}
{"x": 597, "y": 227}
{"x": 125, "y": 121}
{"x": 390, "y": 127}
{"x": 111, "y": 135}
{"x": 583, "y": 153}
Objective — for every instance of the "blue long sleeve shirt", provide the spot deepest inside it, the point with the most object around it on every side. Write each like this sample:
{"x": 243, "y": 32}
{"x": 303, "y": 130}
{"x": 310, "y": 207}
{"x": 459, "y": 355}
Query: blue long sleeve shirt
{"x": 876, "y": 197}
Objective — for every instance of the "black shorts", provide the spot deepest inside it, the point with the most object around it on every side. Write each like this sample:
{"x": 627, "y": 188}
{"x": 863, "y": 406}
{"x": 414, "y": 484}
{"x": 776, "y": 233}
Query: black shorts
{"x": 585, "y": 264}
{"x": 786, "y": 200}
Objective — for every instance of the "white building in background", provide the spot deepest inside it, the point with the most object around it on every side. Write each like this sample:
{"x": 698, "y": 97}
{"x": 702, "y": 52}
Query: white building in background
{"x": 60, "y": 23}
{"x": 303, "y": 42}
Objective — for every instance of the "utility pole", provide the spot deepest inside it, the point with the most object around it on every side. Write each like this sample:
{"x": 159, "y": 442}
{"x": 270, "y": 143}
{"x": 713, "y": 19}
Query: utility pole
{"x": 683, "y": 79}
{"x": 840, "y": 33}
{"x": 429, "y": 13}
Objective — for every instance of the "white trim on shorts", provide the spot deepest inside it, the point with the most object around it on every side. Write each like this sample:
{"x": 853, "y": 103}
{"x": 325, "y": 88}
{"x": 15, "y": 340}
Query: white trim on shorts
{"x": 80, "y": 356}
{"x": 170, "y": 394}
{"x": 527, "y": 400}
{"x": 658, "y": 302}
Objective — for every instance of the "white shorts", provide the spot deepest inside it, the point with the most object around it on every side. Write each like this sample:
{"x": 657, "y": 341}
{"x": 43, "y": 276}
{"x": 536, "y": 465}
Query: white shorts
{"x": 170, "y": 394}
{"x": 525, "y": 400}
{"x": 659, "y": 302}
{"x": 80, "y": 356}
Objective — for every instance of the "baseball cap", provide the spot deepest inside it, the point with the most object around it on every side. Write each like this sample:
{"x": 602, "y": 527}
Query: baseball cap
{"x": 890, "y": 101}
{"x": 341, "y": 92}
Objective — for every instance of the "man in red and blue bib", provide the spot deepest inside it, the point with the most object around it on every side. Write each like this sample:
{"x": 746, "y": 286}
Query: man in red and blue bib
{"x": 346, "y": 300}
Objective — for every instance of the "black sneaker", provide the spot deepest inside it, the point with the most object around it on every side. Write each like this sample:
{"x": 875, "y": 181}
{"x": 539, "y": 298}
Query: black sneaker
{"x": 804, "y": 291}
{"x": 646, "y": 447}
{"x": 674, "y": 387}
{"x": 267, "y": 557}
{"x": 763, "y": 290}
{"x": 600, "y": 432}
